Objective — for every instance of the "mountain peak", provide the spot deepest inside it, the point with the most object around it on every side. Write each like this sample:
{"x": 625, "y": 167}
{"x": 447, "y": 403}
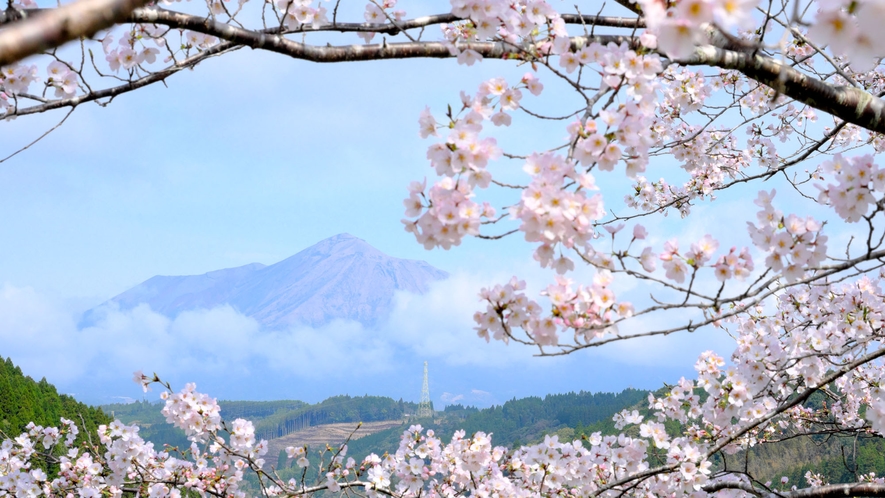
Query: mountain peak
{"x": 341, "y": 277}
{"x": 342, "y": 242}
{"x": 343, "y": 236}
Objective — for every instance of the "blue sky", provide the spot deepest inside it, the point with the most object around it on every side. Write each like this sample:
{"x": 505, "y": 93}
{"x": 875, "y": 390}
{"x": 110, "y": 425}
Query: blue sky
{"x": 251, "y": 158}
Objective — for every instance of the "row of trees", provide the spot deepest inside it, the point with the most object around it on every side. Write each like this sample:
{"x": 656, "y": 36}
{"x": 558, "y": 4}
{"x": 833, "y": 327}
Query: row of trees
{"x": 527, "y": 419}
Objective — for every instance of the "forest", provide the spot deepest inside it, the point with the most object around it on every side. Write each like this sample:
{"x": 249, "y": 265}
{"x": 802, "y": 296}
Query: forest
{"x": 24, "y": 400}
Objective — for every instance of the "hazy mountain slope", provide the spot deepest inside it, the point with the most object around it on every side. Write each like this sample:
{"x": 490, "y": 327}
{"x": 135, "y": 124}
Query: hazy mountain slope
{"x": 342, "y": 277}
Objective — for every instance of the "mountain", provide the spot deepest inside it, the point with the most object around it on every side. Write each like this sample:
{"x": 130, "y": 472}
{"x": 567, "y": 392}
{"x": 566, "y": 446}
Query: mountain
{"x": 342, "y": 277}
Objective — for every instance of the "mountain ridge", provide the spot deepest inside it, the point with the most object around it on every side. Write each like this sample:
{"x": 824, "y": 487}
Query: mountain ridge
{"x": 341, "y": 277}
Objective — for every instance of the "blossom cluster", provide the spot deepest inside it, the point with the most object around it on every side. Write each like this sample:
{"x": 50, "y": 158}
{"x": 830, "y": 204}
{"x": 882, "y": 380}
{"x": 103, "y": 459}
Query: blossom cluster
{"x": 857, "y": 177}
{"x": 712, "y": 155}
{"x": 132, "y": 51}
{"x": 678, "y": 264}
{"x": 553, "y": 215}
{"x": 423, "y": 464}
{"x": 510, "y": 21}
{"x": 508, "y": 308}
{"x": 298, "y": 13}
{"x": 62, "y": 78}
{"x": 125, "y": 462}
{"x": 680, "y": 26}
{"x": 851, "y": 29}
{"x": 195, "y": 413}
{"x": 779, "y": 356}
{"x": 15, "y": 79}
{"x": 299, "y": 453}
{"x": 625, "y": 130}
{"x": 590, "y": 311}
{"x": 375, "y": 13}
{"x": 557, "y": 209}
{"x": 446, "y": 212}
{"x": 814, "y": 330}
{"x": 653, "y": 195}
{"x": 793, "y": 244}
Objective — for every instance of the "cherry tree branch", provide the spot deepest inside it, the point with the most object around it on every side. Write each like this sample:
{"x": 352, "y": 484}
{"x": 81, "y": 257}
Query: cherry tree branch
{"x": 50, "y": 27}
{"x": 781, "y": 408}
{"x": 847, "y": 103}
{"x": 14, "y": 15}
{"x": 742, "y": 302}
{"x": 53, "y": 28}
{"x": 829, "y": 491}
{"x": 112, "y": 92}
{"x": 272, "y": 40}
{"x": 343, "y": 485}
{"x": 276, "y": 42}
{"x": 836, "y": 490}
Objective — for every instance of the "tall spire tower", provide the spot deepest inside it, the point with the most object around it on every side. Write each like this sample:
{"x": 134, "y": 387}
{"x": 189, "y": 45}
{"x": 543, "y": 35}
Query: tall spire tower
{"x": 424, "y": 409}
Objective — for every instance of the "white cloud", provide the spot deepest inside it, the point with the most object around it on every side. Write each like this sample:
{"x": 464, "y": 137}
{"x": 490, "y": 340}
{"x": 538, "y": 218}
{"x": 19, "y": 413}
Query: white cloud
{"x": 449, "y": 398}
{"x": 39, "y": 333}
{"x": 439, "y": 324}
{"x": 338, "y": 349}
{"x": 475, "y": 397}
{"x": 41, "y": 336}
{"x": 231, "y": 350}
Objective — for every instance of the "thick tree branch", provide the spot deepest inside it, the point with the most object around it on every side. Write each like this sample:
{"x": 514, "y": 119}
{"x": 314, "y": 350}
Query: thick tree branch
{"x": 829, "y": 491}
{"x": 268, "y": 40}
{"x": 720, "y": 485}
{"x": 837, "y": 490}
{"x": 849, "y": 104}
{"x": 276, "y": 42}
{"x": 51, "y": 29}
{"x": 14, "y": 15}
{"x": 607, "y": 21}
{"x": 844, "y": 102}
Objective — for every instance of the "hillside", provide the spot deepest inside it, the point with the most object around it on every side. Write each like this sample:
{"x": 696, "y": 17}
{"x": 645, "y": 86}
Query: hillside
{"x": 318, "y": 436}
{"x": 272, "y": 419}
{"x": 339, "y": 278}
{"x": 23, "y": 400}
{"x": 516, "y": 422}
{"x": 294, "y": 423}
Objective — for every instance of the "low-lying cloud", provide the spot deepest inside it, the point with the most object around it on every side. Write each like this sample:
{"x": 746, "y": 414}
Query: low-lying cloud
{"x": 236, "y": 357}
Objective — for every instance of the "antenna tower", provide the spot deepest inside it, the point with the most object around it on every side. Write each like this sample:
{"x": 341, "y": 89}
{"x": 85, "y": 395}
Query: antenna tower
{"x": 424, "y": 410}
